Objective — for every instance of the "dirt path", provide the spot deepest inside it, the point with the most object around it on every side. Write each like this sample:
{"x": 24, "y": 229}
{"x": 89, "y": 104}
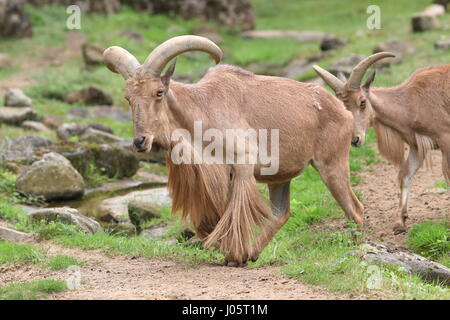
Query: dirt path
{"x": 129, "y": 277}
{"x": 380, "y": 191}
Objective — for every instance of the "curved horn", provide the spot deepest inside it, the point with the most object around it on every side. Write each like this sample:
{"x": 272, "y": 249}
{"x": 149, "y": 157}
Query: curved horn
{"x": 161, "y": 55}
{"x": 119, "y": 60}
{"x": 334, "y": 83}
{"x": 354, "y": 80}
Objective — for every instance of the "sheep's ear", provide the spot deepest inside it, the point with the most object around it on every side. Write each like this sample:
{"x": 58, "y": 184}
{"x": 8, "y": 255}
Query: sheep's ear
{"x": 369, "y": 80}
{"x": 169, "y": 73}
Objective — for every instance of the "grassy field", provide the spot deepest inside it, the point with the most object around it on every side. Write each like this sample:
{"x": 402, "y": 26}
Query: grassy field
{"x": 301, "y": 248}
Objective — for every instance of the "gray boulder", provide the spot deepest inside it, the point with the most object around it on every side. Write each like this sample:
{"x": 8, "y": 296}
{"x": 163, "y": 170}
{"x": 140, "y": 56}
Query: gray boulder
{"x": 67, "y": 216}
{"x": 422, "y": 22}
{"x": 99, "y": 137}
{"x": 14, "y": 22}
{"x": 346, "y": 65}
{"x": 399, "y": 47}
{"x": 12, "y": 235}
{"x": 116, "y": 209}
{"x": 115, "y": 161}
{"x": 15, "y": 116}
{"x": 331, "y": 42}
{"x": 16, "y": 98}
{"x": 92, "y": 54}
{"x": 35, "y": 126}
{"x": 90, "y": 96}
{"x": 53, "y": 177}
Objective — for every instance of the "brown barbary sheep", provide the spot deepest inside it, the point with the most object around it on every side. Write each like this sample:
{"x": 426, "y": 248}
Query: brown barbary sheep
{"x": 416, "y": 113}
{"x": 221, "y": 199}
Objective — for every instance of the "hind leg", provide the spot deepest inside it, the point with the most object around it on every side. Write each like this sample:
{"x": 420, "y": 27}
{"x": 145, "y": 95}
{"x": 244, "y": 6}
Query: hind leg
{"x": 335, "y": 173}
{"x": 280, "y": 204}
{"x": 405, "y": 176}
{"x": 444, "y": 145}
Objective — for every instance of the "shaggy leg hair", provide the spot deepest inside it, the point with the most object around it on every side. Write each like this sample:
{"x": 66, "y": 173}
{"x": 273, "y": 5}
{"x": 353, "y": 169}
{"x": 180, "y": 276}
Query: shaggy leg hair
{"x": 224, "y": 208}
{"x": 236, "y": 231}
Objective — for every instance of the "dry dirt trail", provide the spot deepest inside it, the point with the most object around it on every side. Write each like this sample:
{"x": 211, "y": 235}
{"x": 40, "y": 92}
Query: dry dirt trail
{"x": 129, "y": 277}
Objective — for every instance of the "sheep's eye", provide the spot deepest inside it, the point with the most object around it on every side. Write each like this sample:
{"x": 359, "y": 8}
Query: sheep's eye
{"x": 159, "y": 93}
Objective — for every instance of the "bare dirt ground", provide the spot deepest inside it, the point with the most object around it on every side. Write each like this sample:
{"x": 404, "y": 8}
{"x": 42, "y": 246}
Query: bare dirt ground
{"x": 126, "y": 277}
{"x": 130, "y": 277}
{"x": 380, "y": 191}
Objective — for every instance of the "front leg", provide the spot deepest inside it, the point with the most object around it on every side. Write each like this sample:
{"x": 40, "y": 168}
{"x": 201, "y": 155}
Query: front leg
{"x": 405, "y": 176}
{"x": 280, "y": 204}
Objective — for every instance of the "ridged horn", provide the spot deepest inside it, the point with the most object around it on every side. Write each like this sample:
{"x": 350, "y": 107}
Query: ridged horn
{"x": 119, "y": 60}
{"x": 334, "y": 83}
{"x": 162, "y": 54}
{"x": 354, "y": 80}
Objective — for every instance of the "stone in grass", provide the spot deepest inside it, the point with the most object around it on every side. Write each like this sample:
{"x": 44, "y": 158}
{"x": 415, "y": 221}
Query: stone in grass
{"x": 99, "y": 137}
{"x": 423, "y": 22}
{"x": 12, "y": 235}
{"x": 15, "y": 116}
{"x": 409, "y": 262}
{"x": 16, "y": 98}
{"x": 156, "y": 232}
{"x": 141, "y": 211}
{"x": 52, "y": 177}
{"x": 442, "y": 44}
{"x": 90, "y": 96}
{"x": 34, "y": 126}
{"x": 67, "y": 216}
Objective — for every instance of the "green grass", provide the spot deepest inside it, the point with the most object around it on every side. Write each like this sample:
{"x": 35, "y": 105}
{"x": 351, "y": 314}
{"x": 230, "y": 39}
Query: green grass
{"x": 13, "y": 252}
{"x": 431, "y": 240}
{"x": 301, "y": 247}
{"x": 32, "y": 290}
{"x": 61, "y": 262}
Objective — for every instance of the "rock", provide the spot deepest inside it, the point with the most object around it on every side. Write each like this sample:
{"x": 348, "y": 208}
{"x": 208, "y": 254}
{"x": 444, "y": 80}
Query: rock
{"x": 12, "y": 235}
{"x": 141, "y": 211}
{"x": 104, "y": 7}
{"x": 67, "y": 130}
{"x": 154, "y": 156}
{"x": 5, "y": 61}
{"x": 67, "y": 216}
{"x": 423, "y": 22}
{"x": 90, "y": 96}
{"x": 81, "y": 157}
{"x": 434, "y": 10}
{"x": 331, "y": 42}
{"x": 235, "y": 14}
{"x": 297, "y": 68}
{"x": 346, "y": 65}
{"x": 53, "y": 177}
{"x": 114, "y": 113}
{"x": 21, "y": 150}
{"x": 92, "y": 54}
{"x": 16, "y": 98}
{"x": 35, "y": 126}
{"x": 116, "y": 209}
{"x": 208, "y": 31}
{"x": 156, "y": 232}
{"x": 442, "y": 44}
{"x": 14, "y": 22}
{"x": 132, "y": 35}
{"x": 301, "y": 36}
{"x": 389, "y": 254}
{"x": 99, "y": 137}
{"x": 51, "y": 121}
{"x": 400, "y": 48}
{"x": 15, "y": 116}
{"x": 264, "y": 69}
{"x": 115, "y": 162}
{"x": 101, "y": 127}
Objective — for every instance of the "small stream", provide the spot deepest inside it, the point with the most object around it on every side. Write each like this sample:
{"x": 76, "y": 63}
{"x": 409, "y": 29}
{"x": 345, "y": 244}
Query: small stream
{"x": 88, "y": 205}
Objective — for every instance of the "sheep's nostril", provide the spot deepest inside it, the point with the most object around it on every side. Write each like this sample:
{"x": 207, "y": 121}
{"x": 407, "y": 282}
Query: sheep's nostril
{"x": 139, "y": 142}
{"x": 355, "y": 141}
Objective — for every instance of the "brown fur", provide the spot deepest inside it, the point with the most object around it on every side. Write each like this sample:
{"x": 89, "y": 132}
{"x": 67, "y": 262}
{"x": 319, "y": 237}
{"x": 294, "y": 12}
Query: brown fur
{"x": 416, "y": 112}
{"x": 222, "y": 201}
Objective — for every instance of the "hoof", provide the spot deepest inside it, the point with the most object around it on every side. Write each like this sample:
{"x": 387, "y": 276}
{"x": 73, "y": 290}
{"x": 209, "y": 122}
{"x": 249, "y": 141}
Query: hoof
{"x": 234, "y": 264}
{"x": 398, "y": 230}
